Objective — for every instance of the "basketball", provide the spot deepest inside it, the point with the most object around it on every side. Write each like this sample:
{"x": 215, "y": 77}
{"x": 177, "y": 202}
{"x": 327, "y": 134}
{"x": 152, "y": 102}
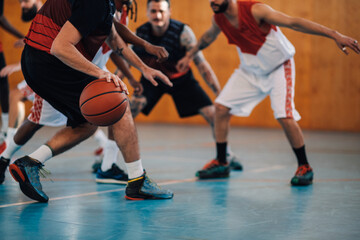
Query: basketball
{"x": 102, "y": 103}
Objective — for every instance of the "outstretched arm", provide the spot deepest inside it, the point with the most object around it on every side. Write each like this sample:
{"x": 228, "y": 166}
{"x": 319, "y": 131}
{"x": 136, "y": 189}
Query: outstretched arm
{"x": 123, "y": 66}
{"x": 206, "y": 39}
{"x": 188, "y": 40}
{"x": 129, "y": 37}
{"x": 263, "y": 12}
{"x": 4, "y": 23}
{"x": 119, "y": 47}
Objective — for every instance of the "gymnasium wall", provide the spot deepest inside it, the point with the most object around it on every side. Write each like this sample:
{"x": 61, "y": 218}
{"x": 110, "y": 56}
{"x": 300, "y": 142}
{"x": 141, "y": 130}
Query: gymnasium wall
{"x": 327, "y": 81}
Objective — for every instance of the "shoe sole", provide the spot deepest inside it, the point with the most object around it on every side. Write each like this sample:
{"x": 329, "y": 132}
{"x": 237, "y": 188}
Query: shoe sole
{"x": 214, "y": 177}
{"x": 22, "y": 179}
{"x": 110, "y": 181}
{"x": 146, "y": 198}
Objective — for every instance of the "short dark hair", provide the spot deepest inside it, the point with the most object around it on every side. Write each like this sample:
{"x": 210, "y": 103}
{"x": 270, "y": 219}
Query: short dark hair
{"x": 168, "y": 1}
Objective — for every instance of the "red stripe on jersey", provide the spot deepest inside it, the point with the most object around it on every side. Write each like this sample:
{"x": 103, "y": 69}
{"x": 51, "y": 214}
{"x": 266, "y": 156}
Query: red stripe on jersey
{"x": 289, "y": 88}
{"x": 35, "y": 112}
{"x": 123, "y": 18}
{"x": 42, "y": 33}
{"x": 249, "y": 36}
{"x": 105, "y": 48}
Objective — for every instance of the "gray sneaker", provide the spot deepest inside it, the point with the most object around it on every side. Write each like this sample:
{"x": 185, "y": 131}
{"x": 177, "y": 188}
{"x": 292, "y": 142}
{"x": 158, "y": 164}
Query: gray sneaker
{"x": 143, "y": 188}
{"x": 26, "y": 171}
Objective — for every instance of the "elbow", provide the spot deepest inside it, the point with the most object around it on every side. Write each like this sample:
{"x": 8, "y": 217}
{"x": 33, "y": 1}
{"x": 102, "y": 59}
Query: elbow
{"x": 54, "y": 50}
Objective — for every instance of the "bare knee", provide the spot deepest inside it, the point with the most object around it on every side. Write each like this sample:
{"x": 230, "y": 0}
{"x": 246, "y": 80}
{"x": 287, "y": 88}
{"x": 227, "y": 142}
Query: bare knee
{"x": 208, "y": 113}
{"x": 221, "y": 110}
{"x": 15, "y": 95}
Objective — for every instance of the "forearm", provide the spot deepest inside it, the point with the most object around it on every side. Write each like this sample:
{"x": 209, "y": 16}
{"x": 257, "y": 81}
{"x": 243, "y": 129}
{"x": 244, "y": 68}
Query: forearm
{"x": 69, "y": 55}
{"x": 306, "y": 26}
{"x": 209, "y": 76}
{"x": 122, "y": 66}
{"x": 128, "y": 36}
{"x": 9, "y": 28}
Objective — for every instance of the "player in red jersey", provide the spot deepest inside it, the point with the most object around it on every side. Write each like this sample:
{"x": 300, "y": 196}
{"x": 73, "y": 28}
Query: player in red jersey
{"x": 267, "y": 68}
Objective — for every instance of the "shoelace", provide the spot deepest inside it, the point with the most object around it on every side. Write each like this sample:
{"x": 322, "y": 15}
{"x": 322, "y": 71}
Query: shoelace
{"x": 213, "y": 163}
{"x": 302, "y": 170}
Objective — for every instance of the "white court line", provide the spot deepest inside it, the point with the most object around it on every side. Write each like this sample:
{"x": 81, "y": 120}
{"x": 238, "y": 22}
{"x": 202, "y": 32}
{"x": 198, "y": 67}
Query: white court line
{"x": 94, "y": 193}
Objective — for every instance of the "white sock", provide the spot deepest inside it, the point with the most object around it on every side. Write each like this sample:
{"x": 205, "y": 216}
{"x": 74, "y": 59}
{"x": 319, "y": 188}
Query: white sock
{"x": 4, "y": 121}
{"x": 110, "y": 155}
{"x": 11, "y": 148}
{"x": 228, "y": 151}
{"x": 42, "y": 154}
{"x": 134, "y": 169}
{"x": 10, "y": 134}
{"x": 100, "y": 138}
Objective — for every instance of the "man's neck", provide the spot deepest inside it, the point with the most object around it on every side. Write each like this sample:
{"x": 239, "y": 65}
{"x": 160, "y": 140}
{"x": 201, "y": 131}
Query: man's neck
{"x": 160, "y": 31}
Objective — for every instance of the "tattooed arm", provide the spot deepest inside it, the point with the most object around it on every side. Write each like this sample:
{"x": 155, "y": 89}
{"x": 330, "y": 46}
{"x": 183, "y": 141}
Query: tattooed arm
{"x": 206, "y": 39}
{"x": 120, "y": 48}
{"x": 188, "y": 40}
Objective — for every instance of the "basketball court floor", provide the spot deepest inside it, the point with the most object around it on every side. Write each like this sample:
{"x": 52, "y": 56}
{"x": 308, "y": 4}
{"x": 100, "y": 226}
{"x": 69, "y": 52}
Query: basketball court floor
{"x": 258, "y": 203}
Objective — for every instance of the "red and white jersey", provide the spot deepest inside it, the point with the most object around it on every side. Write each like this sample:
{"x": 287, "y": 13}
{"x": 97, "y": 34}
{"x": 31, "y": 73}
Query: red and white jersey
{"x": 261, "y": 48}
{"x": 103, "y": 54}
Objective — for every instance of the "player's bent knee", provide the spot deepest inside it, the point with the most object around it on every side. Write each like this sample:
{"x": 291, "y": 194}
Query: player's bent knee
{"x": 221, "y": 110}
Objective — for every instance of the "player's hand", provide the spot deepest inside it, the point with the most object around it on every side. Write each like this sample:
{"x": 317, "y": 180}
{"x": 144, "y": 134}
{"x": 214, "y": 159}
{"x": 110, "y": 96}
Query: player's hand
{"x": 344, "y": 41}
{"x": 9, "y": 69}
{"x": 150, "y": 74}
{"x": 19, "y": 43}
{"x": 160, "y": 52}
{"x": 117, "y": 81}
{"x": 183, "y": 64}
{"x": 138, "y": 88}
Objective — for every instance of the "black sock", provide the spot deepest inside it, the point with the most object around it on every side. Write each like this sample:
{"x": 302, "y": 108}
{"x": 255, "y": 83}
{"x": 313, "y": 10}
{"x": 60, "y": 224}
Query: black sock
{"x": 221, "y": 152}
{"x": 301, "y": 155}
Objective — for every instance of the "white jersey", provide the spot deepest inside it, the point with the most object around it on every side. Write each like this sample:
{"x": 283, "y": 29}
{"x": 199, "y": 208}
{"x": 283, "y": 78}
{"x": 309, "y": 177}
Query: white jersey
{"x": 262, "y": 48}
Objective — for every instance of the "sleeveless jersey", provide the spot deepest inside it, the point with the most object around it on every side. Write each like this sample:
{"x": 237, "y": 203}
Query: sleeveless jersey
{"x": 53, "y": 15}
{"x": 261, "y": 48}
{"x": 170, "y": 41}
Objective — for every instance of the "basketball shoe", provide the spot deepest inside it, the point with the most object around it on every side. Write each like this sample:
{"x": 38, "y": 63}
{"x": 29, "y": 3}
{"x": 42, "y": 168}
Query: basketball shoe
{"x": 4, "y": 163}
{"x": 303, "y": 176}
{"x": 114, "y": 175}
{"x": 26, "y": 171}
{"x": 214, "y": 169}
{"x": 234, "y": 162}
{"x": 142, "y": 188}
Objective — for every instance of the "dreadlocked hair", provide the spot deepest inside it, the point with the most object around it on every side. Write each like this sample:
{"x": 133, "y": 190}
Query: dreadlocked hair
{"x": 131, "y": 7}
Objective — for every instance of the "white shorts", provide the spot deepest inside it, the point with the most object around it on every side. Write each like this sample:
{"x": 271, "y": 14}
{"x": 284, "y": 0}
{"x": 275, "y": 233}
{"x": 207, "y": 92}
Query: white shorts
{"x": 244, "y": 90}
{"x": 26, "y": 91}
{"x": 44, "y": 114}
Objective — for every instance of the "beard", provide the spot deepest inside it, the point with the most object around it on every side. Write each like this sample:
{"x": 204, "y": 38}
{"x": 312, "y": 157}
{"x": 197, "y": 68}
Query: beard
{"x": 222, "y": 7}
{"x": 29, "y": 14}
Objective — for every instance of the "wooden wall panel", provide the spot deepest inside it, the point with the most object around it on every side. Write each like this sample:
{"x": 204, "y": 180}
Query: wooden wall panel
{"x": 327, "y": 82}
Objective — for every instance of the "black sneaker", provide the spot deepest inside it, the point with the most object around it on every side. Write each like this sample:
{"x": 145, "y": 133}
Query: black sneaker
{"x": 234, "y": 162}
{"x": 114, "y": 175}
{"x": 4, "y": 163}
{"x": 214, "y": 169}
{"x": 26, "y": 171}
{"x": 142, "y": 188}
{"x": 303, "y": 176}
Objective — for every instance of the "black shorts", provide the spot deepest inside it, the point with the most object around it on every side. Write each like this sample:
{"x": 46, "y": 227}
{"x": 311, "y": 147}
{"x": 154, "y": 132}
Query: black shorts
{"x": 55, "y": 82}
{"x": 186, "y": 92}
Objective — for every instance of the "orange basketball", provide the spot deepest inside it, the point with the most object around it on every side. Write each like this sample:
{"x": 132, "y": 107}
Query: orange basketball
{"x": 102, "y": 103}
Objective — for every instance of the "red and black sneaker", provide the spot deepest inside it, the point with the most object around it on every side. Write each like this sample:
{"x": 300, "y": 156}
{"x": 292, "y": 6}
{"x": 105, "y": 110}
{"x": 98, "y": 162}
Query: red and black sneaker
{"x": 303, "y": 176}
{"x": 214, "y": 169}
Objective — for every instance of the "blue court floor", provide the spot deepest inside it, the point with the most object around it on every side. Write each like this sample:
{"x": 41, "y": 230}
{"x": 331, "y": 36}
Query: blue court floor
{"x": 258, "y": 203}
